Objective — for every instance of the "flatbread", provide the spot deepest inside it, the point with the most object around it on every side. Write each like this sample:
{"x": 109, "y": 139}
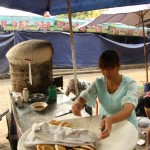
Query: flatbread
{"x": 60, "y": 147}
{"x": 87, "y": 147}
{"x": 45, "y": 147}
{"x": 79, "y": 148}
{"x": 61, "y": 123}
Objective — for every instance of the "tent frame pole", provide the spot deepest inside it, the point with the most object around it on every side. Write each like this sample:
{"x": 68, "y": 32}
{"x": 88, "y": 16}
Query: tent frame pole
{"x": 145, "y": 49}
{"x": 72, "y": 48}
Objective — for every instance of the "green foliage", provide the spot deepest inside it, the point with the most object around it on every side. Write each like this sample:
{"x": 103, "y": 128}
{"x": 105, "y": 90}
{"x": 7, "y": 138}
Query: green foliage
{"x": 83, "y": 15}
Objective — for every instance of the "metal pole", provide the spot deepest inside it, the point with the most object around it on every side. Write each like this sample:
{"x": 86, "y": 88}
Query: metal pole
{"x": 72, "y": 47}
{"x": 145, "y": 49}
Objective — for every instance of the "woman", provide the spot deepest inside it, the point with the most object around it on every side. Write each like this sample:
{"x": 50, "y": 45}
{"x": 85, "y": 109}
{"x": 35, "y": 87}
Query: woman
{"x": 143, "y": 115}
{"x": 116, "y": 93}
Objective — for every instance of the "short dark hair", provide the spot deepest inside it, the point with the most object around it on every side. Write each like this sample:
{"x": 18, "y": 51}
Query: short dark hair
{"x": 109, "y": 58}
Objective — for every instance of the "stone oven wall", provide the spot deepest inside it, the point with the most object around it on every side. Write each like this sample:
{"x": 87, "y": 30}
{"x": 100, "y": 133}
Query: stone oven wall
{"x": 41, "y": 73}
{"x": 40, "y": 53}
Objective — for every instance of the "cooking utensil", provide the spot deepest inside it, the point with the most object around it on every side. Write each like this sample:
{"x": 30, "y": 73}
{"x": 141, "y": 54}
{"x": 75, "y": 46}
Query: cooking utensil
{"x": 103, "y": 128}
{"x": 62, "y": 113}
{"x": 3, "y": 113}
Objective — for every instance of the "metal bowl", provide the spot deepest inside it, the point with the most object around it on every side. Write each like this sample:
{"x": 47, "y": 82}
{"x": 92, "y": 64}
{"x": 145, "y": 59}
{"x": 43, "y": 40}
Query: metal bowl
{"x": 37, "y": 97}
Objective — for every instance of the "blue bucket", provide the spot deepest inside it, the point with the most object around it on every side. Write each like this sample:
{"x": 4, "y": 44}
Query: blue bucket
{"x": 146, "y": 87}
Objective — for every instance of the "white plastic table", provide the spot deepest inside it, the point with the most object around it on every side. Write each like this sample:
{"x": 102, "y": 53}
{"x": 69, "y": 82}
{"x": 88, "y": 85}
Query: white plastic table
{"x": 123, "y": 135}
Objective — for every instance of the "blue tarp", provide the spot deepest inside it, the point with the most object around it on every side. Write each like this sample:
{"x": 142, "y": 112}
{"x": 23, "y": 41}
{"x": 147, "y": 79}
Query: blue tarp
{"x": 6, "y": 42}
{"x": 56, "y": 7}
{"x": 88, "y": 47}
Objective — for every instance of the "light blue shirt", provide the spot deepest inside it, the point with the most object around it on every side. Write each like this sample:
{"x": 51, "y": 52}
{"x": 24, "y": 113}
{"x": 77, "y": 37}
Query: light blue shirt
{"x": 112, "y": 103}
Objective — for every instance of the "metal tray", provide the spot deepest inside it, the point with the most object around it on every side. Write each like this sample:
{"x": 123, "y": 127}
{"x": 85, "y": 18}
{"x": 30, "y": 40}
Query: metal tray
{"x": 37, "y": 97}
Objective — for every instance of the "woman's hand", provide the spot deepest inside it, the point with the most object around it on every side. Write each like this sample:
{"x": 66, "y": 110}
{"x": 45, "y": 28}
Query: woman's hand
{"x": 77, "y": 106}
{"x": 106, "y": 126}
{"x": 147, "y": 147}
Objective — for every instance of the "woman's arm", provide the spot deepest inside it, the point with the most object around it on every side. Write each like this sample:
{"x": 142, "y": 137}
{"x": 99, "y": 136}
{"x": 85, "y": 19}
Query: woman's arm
{"x": 88, "y": 95}
{"x": 118, "y": 117}
{"x": 123, "y": 114}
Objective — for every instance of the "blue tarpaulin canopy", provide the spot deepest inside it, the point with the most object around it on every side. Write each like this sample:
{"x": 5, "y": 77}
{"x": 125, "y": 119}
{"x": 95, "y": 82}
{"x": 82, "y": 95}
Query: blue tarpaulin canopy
{"x": 88, "y": 47}
{"x": 56, "y": 7}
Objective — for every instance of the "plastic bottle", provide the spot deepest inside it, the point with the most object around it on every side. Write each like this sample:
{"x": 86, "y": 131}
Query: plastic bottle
{"x": 25, "y": 94}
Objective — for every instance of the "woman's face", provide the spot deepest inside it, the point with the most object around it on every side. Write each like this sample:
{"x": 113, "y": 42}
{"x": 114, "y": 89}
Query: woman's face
{"x": 110, "y": 73}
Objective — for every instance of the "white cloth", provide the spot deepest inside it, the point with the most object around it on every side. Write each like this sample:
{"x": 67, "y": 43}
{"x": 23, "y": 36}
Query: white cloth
{"x": 143, "y": 122}
{"x": 44, "y": 133}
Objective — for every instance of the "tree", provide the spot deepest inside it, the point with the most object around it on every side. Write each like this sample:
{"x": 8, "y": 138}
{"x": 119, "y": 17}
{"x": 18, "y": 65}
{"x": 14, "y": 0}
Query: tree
{"x": 83, "y": 15}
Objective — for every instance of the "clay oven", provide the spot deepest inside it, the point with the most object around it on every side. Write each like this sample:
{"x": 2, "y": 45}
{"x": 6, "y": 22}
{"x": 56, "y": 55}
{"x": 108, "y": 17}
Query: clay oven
{"x": 30, "y": 65}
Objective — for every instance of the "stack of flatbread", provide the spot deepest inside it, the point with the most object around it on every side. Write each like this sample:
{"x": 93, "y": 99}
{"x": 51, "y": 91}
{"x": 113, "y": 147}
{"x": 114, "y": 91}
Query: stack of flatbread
{"x": 60, "y": 147}
{"x": 57, "y": 146}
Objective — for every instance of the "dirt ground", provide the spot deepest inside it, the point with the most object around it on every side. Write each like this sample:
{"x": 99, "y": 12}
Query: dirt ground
{"x": 138, "y": 74}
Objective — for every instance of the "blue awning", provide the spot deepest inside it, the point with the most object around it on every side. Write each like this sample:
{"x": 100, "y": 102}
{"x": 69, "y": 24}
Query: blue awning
{"x": 56, "y": 7}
